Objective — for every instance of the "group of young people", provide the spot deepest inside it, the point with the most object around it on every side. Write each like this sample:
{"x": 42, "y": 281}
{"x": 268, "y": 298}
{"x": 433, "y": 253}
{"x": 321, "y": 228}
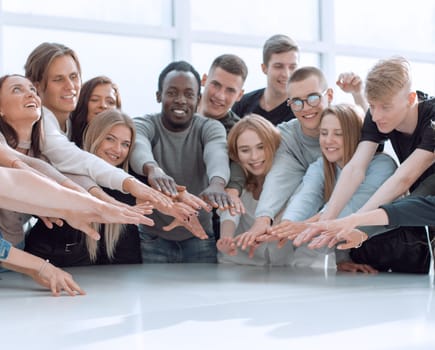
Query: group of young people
{"x": 216, "y": 175}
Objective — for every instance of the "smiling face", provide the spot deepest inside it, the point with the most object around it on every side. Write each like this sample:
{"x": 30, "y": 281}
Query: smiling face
{"x": 103, "y": 97}
{"x": 251, "y": 154}
{"x": 63, "y": 87}
{"x": 279, "y": 69}
{"x": 309, "y": 116}
{"x": 19, "y": 102}
{"x": 179, "y": 98}
{"x": 116, "y": 145}
{"x": 331, "y": 139}
{"x": 221, "y": 90}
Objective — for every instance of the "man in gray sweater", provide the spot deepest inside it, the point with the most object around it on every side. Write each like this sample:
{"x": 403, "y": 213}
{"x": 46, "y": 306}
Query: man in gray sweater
{"x": 179, "y": 147}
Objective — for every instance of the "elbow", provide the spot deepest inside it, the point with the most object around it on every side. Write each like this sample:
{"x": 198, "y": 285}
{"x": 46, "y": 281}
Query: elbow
{"x": 404, "y": 182}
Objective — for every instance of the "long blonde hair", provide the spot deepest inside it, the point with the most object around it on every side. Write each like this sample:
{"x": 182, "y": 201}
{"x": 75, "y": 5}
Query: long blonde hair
{"x": 95, "y": 133}
{"x": 268, "y": 134}
{"x": 350, "y": 118}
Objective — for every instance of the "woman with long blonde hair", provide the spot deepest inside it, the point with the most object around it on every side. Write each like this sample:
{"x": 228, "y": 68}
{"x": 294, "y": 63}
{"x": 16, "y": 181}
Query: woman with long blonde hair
{"x": 110, "y": 136}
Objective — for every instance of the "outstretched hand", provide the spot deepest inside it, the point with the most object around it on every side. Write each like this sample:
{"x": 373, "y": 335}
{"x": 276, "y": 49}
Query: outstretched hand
{"x": 350, "y": 266}
{"x": 249, "y": 237}
{"x": 192, "y": 224}
{"x": 288, "y": 229}
{"x": 56, "y": 280}
{"x": 143, "y": 193}
{"x": 238, "y": 208}
{"x": 216, "y": 196}
{"x": 162, "y": 182}
{"x": 104, "y": 213}
{"x": 191, "y": 200}
{"x": 353, "y": 239}
{"x": 226, "y": 245}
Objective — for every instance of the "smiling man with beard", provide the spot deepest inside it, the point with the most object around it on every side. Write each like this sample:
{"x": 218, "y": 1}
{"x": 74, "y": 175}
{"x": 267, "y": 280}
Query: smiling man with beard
{"x": 179, "y": 147}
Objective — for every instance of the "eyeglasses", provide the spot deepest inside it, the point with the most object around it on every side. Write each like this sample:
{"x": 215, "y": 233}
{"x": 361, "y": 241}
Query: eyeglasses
{"x": 313, "y": 100}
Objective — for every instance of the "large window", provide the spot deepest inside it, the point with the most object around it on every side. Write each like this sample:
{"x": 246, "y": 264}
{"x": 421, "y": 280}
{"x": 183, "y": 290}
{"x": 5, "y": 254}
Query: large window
{"x": 258, "y": 17}
{"x": 126, "y": 60}
{"x": 401, "y": 26}
{"x": 204, "y": 54}
{"x": 154, "y": 13}
{"x": 132, "y": 40}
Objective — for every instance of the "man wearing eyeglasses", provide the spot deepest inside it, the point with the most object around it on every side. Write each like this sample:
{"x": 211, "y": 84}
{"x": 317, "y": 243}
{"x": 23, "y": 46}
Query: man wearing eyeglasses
{"x": 309, "y": 95}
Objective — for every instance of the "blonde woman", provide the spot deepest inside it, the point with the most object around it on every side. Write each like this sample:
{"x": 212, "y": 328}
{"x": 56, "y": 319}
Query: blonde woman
{"x": 109, "y": 136}
{"x": 252, "y": 143}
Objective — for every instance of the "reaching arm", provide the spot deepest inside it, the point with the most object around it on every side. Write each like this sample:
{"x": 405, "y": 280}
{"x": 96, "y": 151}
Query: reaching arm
{"x": 66, "y": 157}
{"x": 351, "y": 177}
{"x": 237, "y": 178}
{"x": 24, "y": 191}
{"x": 409, "y": 211}
{"x": 404, "y": 177}
{"x": 41, "y": 271}
{"x": 228, "y": 225}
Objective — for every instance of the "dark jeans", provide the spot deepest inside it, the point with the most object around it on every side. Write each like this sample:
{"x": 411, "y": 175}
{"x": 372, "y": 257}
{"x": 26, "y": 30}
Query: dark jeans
{"x": 193, "y": 250}
{"x": 404, "y": 249}
{"x": 63, "y": 246}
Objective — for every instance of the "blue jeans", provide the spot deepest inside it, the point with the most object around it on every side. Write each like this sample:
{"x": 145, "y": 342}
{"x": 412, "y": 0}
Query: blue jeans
{"x": 193, "y": 250}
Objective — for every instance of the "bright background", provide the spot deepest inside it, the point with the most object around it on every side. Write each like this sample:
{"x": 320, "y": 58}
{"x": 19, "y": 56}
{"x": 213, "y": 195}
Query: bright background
{"x": 132, "y": 40}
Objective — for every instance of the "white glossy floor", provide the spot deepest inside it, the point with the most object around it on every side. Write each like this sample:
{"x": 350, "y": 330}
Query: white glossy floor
{"x": 220, "y": 307}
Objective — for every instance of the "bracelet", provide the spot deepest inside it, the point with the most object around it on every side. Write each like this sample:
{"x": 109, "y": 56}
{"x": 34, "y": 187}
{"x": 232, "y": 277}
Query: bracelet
{"x": 363, "y": 238}
{"x": 46, "y": 262}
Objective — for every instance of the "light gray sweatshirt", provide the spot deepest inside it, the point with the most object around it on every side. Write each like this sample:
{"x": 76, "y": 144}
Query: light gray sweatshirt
{"x": 192, "y": 157}
{"x": 291, "y": 161}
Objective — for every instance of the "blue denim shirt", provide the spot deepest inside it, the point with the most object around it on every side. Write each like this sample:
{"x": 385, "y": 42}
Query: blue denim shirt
{"x": 5, "y": 247}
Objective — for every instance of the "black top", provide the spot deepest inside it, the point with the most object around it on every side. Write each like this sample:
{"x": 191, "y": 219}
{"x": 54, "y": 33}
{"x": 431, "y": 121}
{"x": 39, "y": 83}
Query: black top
{"x": 66, "y": 246}
{"x": 423, "y": 136}
{"x": 229, "y": 120}
{"x": 127, "y": 249}
{"x": 250, "y": 103}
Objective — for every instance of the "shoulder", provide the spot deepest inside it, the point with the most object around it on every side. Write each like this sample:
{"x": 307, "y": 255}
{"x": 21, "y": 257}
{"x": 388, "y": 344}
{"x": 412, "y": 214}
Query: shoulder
{"x": 50, "y": 121}
{"x": 253, "y": 95}
{"x": 147, "y": 118}
{"x": 232, "y": 116}
{"x": 248, "y": 101}
{"x": 426, "y": 110}
{"x": 289, "y": 128}
{"x": 201, "y": 122}
{"x": 316, "y": 167}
